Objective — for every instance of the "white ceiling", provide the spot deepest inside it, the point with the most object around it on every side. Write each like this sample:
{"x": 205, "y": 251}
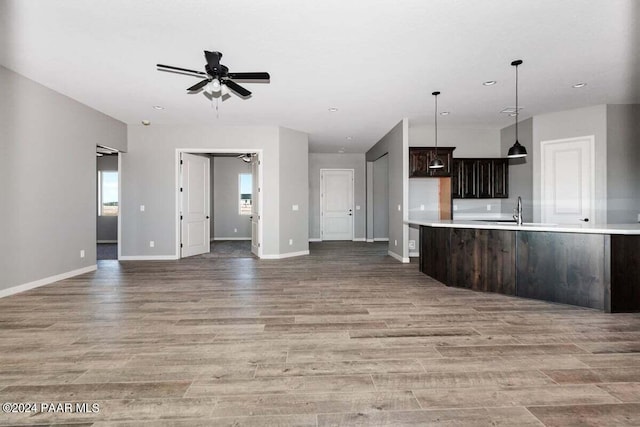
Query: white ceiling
{"x": 375, "y": 60}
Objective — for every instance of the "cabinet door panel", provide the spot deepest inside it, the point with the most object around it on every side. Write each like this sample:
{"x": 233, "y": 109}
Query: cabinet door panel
{"x": 418, "y": 162}
{"x": 485, "y": 179}
{"x": 456, "y": 179}
{"x": 469, "y": 179}
{"x": 500, "y": 178}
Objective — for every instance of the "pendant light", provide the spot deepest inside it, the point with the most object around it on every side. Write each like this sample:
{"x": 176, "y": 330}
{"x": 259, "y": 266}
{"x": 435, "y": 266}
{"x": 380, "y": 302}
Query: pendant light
{"x": 517, "y": 150}
{"x": 436, "y": 163}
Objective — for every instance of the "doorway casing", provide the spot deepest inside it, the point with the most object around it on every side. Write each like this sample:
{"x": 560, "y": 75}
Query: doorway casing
{"x": 179, "y": 151}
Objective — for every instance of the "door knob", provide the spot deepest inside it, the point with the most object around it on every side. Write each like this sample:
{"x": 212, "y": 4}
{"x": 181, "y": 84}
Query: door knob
{"x": 584, "y": 219}
{"x": 207, "y": 216}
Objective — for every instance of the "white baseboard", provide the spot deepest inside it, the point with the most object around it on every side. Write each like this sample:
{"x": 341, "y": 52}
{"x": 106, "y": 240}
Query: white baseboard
{"x": 398, "y": 257}
{"x": 232, "y": 238}
{"x": 369, "y": 240}
{"x": 414, "y": 254}
{"x": 287, "y": 255}
{"x": 47, "y": 280}
{"x": 360, "y": 239}
{"x": 107, "y": 241}
{"x": 147, "y": 257}
{"x": 381, "y": 239}
{"x": 315, "y": 239}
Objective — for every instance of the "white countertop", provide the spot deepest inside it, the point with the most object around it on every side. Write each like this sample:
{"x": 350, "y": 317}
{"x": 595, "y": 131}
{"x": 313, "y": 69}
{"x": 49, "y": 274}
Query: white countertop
{"x": 558, "y": 228}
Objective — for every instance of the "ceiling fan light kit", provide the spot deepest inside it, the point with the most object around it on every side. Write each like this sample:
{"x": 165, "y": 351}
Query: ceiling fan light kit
{"x": 217, "y": 77}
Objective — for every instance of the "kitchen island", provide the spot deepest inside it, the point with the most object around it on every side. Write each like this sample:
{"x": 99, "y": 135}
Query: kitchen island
{"x": 588, "y": 265}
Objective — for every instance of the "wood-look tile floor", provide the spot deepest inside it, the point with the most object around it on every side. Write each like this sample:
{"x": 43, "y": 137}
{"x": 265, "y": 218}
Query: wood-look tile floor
{"x": 345, "y": 336}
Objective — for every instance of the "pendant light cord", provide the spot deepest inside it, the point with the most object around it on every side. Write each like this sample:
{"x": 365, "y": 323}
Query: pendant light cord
{"x": 435, "y": 116}
{"x": 517, "y": 111}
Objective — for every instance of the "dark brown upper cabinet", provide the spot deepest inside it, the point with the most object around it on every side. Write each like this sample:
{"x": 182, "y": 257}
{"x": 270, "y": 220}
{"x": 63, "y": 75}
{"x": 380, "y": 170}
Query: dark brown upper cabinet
{"x": 420, "y": 157}
{"x": 479, "y": 178}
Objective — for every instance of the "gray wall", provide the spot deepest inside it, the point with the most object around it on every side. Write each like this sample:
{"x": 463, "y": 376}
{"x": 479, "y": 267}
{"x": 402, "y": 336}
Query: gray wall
{"x": 226, "y": 217}
{"x": 294, "y": 190}
{"x": 469, "y": 142}
{"x": 356, "y": 162}
{"x": 149, "y": 178}
{"x": 520, "y": 170}
{"x": 570, "y": 124}
{"x": 48, "y": 170}
{"x": 623, "y": 163}
{"x": 395, "y": 144}
{"x": 380, "y": 202}
{"x": 107, "y": 226}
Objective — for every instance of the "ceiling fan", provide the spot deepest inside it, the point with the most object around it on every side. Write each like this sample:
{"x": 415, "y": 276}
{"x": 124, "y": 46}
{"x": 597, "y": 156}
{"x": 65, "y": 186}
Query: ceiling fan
{"x": 217, "y": 77}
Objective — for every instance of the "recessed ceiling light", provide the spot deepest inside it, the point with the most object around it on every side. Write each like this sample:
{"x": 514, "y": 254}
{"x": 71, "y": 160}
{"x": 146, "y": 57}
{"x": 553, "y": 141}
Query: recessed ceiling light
{"x": 158, "y": 107}
{"x": 349, "y": 138}
{"x": 146, "y": 122}
{"x": 579, "y": 85}
{"x": 445, "y": 113}
{"x": 333, "y": 109}
{"x": 489, "y": 83}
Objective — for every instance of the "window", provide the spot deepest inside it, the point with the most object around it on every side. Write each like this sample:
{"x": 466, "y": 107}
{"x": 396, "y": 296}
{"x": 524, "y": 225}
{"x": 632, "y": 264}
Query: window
{"x": 245, "y": 184}
{"x": 107, "y": 193}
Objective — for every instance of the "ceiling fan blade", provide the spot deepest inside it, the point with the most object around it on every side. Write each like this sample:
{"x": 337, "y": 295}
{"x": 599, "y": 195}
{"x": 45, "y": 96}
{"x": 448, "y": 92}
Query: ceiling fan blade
{"x": 237, "y": 88}
{"x": 198, "y": 85}
{"x": 213, "y": 59}
{"x": 250, "y": 76}
{"x": 184, "y": 70}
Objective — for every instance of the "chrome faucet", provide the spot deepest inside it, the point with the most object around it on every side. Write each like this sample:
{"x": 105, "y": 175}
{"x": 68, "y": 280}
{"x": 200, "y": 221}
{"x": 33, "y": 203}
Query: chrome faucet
{"x": 518, "y": 212}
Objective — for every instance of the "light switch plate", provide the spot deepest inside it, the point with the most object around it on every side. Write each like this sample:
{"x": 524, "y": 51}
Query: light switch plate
{"x": 141, "y": 208}
{"x": 295, "y": 207}
{"x": 357, "y": 207}
{"x": 421, "y": 207}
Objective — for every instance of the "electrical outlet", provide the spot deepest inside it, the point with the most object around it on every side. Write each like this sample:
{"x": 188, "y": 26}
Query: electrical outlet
{"x": 421, "y": 207}
{"x": 395, "y": 242}
{"x": 488, "y": 207}
{"x": 638, "y": 217}
{"x": 141, "y": 208}
{"x": 81, "y": 253}
{"x": 455, "y": 207}
{"x": 290, "y": 242}
{"x": 235, "y": 230}
{"x": 412, "y": 244}
{"x": 357, "y": 207}
{"x": 152, "y": 244}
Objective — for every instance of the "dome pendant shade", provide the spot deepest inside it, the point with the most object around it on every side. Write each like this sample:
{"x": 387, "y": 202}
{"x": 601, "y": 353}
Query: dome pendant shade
{"x": 436, "y": 164}
{"x": 516, "y": 151}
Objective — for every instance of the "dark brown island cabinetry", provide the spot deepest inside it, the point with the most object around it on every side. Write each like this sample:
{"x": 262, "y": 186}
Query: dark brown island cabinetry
{"x": 600, "y": 271}
{"x": 479, "y": 178}
{"x": 420, "y": 157}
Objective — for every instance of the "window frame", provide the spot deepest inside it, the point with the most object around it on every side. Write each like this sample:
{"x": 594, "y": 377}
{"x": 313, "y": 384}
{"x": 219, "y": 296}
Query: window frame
{"x": 240, "y": 210}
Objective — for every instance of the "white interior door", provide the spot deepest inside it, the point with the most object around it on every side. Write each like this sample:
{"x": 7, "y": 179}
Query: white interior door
{"x": 336, "y": 204}
{"x": 194, "y": 212}
{"x": 568, "y": 179}
{"x": 255, "y": 205}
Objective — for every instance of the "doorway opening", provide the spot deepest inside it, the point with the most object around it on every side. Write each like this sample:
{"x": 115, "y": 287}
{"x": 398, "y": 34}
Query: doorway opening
{"x": 108, "y": 202}
{"x": 218, "y": 208}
